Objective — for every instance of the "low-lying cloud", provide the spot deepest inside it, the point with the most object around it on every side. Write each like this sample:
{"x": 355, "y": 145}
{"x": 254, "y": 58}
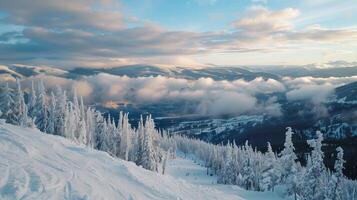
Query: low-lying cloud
{"x": 204, "y": 95}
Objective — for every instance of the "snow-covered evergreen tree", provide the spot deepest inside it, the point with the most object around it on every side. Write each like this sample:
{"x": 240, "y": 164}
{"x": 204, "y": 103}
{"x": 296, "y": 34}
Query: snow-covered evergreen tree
{"x": 101, "y": 128}
{"x": 140, "y": 141}
{"x": 271, "y": 173}
{"x": 227, "y": 174}
{"x": 32, "y": 101}
{"x": 51, "y": 127}
{"x": 60, "y": 111}
{"x": 41, "y": 108}
{"x": 313, "y": 177}
{"x": 7, "y": 103}
{"x": 287, "y": 164}
{"x": 148, "y": 158}
{"x": 90, "y": 128}
{"x": 71, "y": 122}
{"x": 82, "y": 127}
{"x": 20, "y": 107}
{"x": 125, "y": 140}
{"x": 247, "y": 169}
{"x": 334, "y": 190}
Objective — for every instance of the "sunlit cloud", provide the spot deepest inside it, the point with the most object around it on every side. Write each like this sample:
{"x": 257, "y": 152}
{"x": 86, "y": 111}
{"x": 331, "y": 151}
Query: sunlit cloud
{"x": 100, "y": 34}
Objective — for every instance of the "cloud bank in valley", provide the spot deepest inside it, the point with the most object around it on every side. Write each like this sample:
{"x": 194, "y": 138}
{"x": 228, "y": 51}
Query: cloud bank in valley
{"x": 206, "y": 95}
{"x": 317, "y": 90}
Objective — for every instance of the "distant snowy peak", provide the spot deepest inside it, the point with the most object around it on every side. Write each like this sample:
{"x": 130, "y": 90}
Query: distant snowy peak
{"x": 22, "y": 71}
{"x": 5, "y": 71}
{"x": 27, "y": 70}
{"x": 216, "y": 73}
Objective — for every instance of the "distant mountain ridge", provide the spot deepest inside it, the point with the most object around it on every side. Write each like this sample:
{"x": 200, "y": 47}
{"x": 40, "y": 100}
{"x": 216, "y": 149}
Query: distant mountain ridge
{"x": 347, "y": 92}
{"x": 216, "y": 73}
{"x": 309, "y": 70}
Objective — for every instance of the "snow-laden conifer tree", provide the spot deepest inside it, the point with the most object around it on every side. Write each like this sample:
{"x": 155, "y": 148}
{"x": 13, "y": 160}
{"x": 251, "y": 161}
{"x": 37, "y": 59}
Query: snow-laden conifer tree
{"x": 227, "y": 175}
{"x": 20, "y": 108}
{"x": 334, "y": 190}
{"x": 125, "y": 140}
{"x": 287, "y": 164}
{"x": 7, "y": 103}
{"x": 149, "y": 160}
{"x": 139, "y": 150}
{"x": 271, "y": 173}
{"x": 247, "y": 169}
{"x": 100, "y": 130}
{"x": 32, "y": 101}
{"x": 52, "y": 115}
{"x": 71, "y": 122}
{"x": 82, "y": 127}
{"x": 90, "y": 128}
{"x": 313, "y": 177}
{"x": 41, "y": 108}
{"x": 109, "y": 141}
{"x": 115, "y": 139}
{"x": 60, "y": 111}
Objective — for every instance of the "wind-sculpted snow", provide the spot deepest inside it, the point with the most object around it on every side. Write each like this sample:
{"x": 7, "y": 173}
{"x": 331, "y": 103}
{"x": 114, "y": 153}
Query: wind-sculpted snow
{"x": 34, "y": 165}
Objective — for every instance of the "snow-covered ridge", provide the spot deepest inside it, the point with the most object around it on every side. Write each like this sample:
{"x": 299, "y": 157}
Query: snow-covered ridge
{"x": 216, "y": 126}
{"x": 34, "y": 165}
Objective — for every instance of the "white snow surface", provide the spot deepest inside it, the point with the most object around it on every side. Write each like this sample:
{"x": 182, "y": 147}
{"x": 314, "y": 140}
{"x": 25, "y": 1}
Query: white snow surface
{"x": 34, "y": 165}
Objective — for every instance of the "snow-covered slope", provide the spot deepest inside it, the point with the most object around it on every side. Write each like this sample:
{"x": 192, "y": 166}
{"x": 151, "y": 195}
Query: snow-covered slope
{"x": 34, "y": 165}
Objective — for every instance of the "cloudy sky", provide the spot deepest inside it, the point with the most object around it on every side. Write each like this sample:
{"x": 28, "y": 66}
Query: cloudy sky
{"x": 102, "y": 33}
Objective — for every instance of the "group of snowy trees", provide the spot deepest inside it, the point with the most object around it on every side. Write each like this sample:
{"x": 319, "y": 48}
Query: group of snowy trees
{"x": 55, "y": 114}
{"x": 254, "y": 170}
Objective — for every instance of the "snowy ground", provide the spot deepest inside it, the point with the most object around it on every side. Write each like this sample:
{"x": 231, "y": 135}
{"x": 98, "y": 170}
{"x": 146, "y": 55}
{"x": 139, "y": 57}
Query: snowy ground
{"x": 38, "y": 166}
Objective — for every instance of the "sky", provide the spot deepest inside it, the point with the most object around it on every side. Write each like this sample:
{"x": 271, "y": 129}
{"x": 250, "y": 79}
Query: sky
{"x": 107, "y": 33}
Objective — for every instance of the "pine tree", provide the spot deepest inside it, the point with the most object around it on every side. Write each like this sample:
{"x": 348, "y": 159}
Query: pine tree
{"x": 315, "y": 170}
{"x": 287, "y": 165}
{"x": 227, "y": 174}
{"x": 90, "y": 128}
{"x": 125, "y": 140}
{"x": 247, "y": 169}
{"x": 71, "y": 122}
{"x": 140, "y": 141}
{"x": 334, "y": 190}
{"x": 76, "y": 112}
{"x": 41, "y": 108}
{"x": 32, "y": 101}
{"x": 271, "y": 175}
{"x": 51, "y": 115}
{"x": 60, "y": 111}
{"x": 115, "y": 139}
{"x": 20, "y": 109}
{"x": 148, "y": 160}
{"x": 100, "y": 130}
{"x": 82, "y": 127}
{"x": 7, "y": 103}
